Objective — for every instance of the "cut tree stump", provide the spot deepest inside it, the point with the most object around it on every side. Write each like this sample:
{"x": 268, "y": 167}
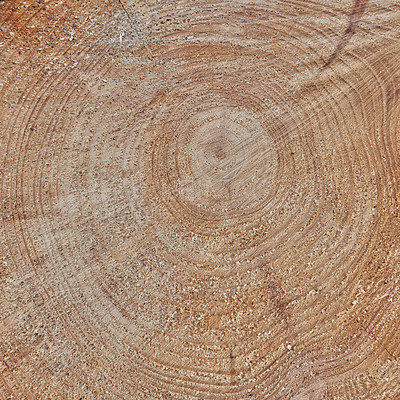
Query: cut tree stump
{"x": 199, "y": 199}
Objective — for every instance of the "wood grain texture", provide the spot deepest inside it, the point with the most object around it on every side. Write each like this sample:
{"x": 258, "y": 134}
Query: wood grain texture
{"x": 199, "y": 200}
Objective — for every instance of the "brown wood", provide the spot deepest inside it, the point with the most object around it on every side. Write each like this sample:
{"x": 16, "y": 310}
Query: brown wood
{"x": 199, "y": 200}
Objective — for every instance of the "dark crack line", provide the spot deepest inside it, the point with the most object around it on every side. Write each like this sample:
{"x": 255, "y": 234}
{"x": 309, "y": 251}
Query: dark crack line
{"x": 371, "y": 336}
{"x": 132, "y": 23}
{"x": 355, "y": 16}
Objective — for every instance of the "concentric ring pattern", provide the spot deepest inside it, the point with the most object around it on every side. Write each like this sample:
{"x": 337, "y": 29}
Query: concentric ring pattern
{"x": 199, "y": 200}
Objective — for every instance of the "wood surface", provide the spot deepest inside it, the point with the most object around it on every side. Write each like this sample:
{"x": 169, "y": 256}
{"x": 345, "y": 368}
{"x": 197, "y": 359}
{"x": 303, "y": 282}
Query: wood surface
{"x": 199, "y": 199}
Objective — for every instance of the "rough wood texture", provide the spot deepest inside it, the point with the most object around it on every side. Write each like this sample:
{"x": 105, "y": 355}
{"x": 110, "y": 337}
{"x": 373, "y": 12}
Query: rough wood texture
{"x": 199, "y": 199}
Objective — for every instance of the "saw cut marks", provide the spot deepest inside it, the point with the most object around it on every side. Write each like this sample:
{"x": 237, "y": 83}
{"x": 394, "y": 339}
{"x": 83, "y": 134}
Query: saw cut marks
{"x": 199, "y": 201}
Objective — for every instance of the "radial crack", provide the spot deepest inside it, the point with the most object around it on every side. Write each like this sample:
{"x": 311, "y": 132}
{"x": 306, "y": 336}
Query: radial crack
{"x": 132, "y": 23}
{"x": 355, "y": 16}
